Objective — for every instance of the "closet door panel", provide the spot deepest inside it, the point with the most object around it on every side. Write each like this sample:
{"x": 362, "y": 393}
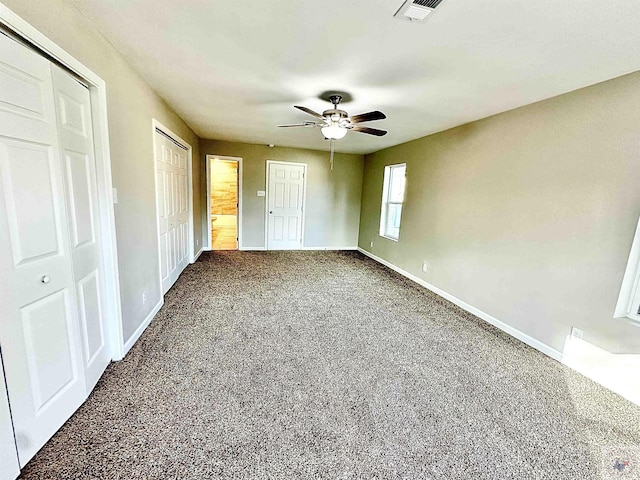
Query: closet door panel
{"x": 30, "y": 200}
{"x": 81, "y": 204}
{"x": 50, "y": 362}
{"x": 89, "y": 302}
{"x": 73, "y": 109}
{"x": 24, "y": 93}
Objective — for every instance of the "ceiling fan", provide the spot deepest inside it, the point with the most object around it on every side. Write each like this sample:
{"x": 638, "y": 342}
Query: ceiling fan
{"x": 335, "y": 123}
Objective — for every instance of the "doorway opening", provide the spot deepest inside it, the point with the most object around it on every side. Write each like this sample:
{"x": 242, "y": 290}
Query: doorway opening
{"x": 224, "y": 201}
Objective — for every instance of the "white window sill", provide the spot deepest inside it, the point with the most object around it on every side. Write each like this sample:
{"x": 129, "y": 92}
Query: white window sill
{"x": 631, "y": 319}
{"x": 389, "y": 238}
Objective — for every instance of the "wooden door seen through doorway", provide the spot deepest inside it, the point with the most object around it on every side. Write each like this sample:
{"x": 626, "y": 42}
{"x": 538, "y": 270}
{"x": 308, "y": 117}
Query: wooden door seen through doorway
{"x": 224, "y": 202}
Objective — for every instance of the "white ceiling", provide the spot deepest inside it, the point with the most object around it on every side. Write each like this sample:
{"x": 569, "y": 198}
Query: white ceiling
{"x": 233, "y": 70}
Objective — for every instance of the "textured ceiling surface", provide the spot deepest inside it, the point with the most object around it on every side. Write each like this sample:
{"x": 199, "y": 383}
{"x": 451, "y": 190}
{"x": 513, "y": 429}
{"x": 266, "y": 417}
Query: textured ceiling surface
{"x": 233, "y": 70}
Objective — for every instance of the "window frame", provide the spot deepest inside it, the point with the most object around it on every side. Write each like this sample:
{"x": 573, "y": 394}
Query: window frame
{"x": 628, "y": 306}
{"x": 386, "y": 195}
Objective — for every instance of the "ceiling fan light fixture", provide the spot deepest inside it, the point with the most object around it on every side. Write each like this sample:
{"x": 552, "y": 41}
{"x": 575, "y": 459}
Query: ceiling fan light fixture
{"x": 334, "y": 132}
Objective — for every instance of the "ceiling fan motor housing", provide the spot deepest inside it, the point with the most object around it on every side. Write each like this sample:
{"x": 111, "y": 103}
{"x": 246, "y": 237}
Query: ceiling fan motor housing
{"x": 334, "y": 114}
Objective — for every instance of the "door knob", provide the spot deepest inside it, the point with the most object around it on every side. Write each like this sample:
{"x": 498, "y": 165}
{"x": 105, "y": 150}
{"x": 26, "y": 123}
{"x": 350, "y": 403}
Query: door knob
{"x": 45, "y": 279}
{"x": 270, "y": 212}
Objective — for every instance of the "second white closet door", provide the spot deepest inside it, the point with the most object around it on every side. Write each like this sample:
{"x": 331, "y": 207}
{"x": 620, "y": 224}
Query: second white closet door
{"x": 173, "y": 209}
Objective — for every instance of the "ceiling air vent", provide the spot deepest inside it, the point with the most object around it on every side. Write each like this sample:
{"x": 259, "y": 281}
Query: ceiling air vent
{"x": 417, "y": 9}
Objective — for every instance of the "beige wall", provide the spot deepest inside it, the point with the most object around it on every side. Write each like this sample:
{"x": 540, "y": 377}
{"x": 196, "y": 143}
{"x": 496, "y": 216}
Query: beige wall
{"x": 333, "y": 197}
{"x": 528, "y": 215}
{"x": 132, "y": 104}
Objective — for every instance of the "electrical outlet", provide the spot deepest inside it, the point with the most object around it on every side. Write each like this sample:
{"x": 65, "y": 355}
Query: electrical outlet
{"x": 144, "y": 297}
{"x": 197, "y": 242}
{"x": 371, "y": 245}
{"x": 576, "y": 333}
{"x": 425, "y": 267}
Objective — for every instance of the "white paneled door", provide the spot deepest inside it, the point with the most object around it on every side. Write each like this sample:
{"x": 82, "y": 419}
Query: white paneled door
{"x": 172, "y": 190}
{"x": 39, "y": 329}
{"x": 285, "y": 205}
{"x": 73, "y": 110}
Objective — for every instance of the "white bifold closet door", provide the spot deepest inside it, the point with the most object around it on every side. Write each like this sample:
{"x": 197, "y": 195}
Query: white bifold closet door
{"x": 172, "y": 189}
{"x": 52, "y": 334}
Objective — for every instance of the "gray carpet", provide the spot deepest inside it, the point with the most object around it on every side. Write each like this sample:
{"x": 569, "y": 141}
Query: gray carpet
{"x": 325, "y": 365}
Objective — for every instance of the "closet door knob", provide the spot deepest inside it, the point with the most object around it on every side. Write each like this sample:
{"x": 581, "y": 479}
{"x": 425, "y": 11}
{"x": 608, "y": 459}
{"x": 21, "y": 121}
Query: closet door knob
{"x": 45, "y": 279}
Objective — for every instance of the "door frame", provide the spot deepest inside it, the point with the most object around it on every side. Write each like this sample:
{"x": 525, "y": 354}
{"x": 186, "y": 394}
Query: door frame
{"x": 266, "y": 203}
{"x": 225, "y": 158}
{"x": 156, "y": 125}
{"x": 99, "y": 118}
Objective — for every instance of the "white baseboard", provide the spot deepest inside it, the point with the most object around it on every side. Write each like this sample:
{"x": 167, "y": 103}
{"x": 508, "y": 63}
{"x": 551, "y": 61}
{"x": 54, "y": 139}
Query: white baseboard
{"x": 136, "y": 335}
{"x": 329, "y": 248}
{"x": 260, "y": 249}
{"x": 514, "y": 332}
{"x": 197, "y": 255}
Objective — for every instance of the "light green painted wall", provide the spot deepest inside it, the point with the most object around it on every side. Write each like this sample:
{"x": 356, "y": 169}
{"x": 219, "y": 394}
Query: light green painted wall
{"x": 528, "y": 215}
{"x": 332, "y": 201}
{"x": 131, "y": 105}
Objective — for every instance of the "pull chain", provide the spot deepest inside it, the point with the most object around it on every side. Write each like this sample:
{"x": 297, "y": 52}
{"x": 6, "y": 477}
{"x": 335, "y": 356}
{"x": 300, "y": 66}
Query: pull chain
{"x": 331, "y": 158}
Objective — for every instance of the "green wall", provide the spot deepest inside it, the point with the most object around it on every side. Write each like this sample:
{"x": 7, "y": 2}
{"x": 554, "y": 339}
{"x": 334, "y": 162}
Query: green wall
{"x": 528, "y": 215}
{"x": 332, "y": 199}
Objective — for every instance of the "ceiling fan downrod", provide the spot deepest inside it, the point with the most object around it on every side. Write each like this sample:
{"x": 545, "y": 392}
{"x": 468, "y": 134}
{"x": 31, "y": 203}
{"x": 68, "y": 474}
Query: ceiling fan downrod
{"x": 335, "y": 99}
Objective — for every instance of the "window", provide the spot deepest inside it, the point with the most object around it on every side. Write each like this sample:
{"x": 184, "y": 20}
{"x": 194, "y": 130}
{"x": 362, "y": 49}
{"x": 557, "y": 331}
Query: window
{"x": 629, "y": 300}
{"x": 392, "y": 200}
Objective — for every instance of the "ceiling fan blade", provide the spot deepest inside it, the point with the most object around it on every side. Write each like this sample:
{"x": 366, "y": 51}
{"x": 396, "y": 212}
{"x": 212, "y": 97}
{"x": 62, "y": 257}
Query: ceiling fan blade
{"x": 305, "y": 124}
{"x": 368, "y": 117}
{"x": 309, "y": 111}
{"x": 369, "y": 130}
